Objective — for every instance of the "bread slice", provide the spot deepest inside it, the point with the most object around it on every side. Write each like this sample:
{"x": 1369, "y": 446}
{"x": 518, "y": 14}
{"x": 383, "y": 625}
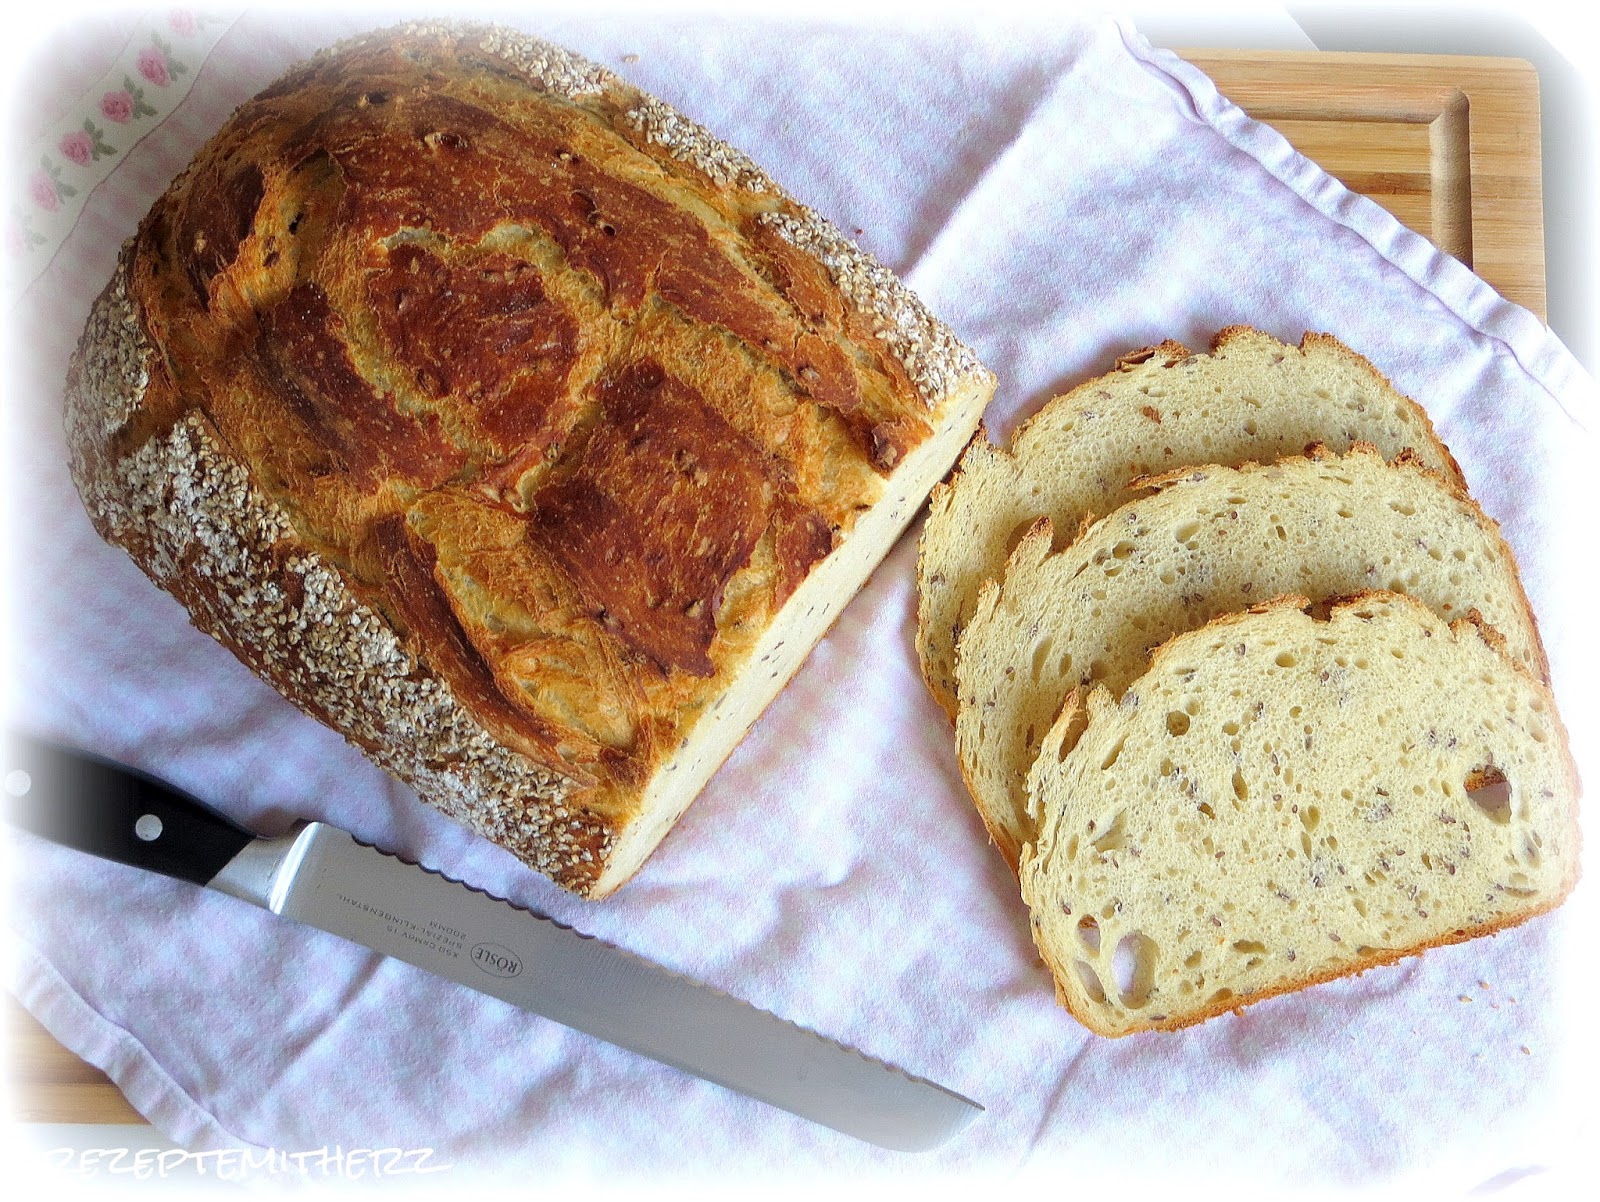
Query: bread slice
{"x": 1209, "y": 541}
{"x": 1251, "y": 398}
{"x": 1281, "y": 800}
{"x": 512, "y": 424}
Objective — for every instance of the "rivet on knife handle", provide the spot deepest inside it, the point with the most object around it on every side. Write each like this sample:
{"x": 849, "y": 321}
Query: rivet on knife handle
{"x": 322, "y": 876}
{"x": 116, "y": 812}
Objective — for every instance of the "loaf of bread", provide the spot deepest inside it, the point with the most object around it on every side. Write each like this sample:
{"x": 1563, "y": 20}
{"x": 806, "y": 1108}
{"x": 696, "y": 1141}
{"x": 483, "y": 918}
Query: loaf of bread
{"x": 1162, "y": 408}
{"x": 1281, "y": 800}
{"x": 512, "y": 424}
{"x": 1209, "y": 541}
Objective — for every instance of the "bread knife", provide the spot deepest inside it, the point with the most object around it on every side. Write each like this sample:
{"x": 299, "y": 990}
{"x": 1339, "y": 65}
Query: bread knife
{"x": 322, "y": 876}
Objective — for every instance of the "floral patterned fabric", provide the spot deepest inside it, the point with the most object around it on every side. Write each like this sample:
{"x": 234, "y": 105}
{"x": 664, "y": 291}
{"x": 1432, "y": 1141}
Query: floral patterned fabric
{"x": 150, "y": 78}
{"x": 1060, "y": 193}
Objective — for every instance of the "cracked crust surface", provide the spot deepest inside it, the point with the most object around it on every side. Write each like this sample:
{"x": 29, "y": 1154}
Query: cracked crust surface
{"x": 190, "y": 516}
{"x": 514, "y": 482}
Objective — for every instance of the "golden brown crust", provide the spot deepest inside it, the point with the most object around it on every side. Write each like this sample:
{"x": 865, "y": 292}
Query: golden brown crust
{"x": 557, "y": 395}
{"x": 1331, "y": 344}
{"x": 949, "y": 571}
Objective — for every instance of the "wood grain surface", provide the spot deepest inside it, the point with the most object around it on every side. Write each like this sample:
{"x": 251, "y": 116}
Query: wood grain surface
{"x": 1448, "y": 144}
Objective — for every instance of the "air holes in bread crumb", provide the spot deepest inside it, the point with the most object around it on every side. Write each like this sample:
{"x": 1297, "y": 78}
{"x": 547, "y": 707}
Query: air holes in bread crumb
{"x": 1489, "y": 790}
{"x": 1177, "y": 723}
{"x": 1133, "y": 968}
{"x": 1240, "y": 789}
{"x": 1041, "y": 652}
{"x": 1531, "y": 843}
{"x": 1111, "y": 756}
{"x": 1286, "y": 659}
{"x": 1115, "y": 837}
{"x": 1089, "y": 933}
{"x": 1090, "y": 982}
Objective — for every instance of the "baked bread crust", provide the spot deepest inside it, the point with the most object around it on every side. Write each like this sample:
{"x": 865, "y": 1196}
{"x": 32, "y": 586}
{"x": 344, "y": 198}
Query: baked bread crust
{"x": 1252, "y": 398}
{"x": 1242, "y": 876}
{"x": 1209, "y": 540}
{"x": 510, "y": 423}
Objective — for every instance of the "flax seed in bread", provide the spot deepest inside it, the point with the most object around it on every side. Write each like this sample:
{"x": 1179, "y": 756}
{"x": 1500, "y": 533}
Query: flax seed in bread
{"x": 1281, "y": 800}
{"x": 1251, "y": 398}
{"x": 1209, "y": 541}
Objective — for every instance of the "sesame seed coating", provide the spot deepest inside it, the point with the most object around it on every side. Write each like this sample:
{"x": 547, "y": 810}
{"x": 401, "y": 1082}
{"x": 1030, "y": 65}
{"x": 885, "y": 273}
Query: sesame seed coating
{"x": 690, "y": 143}
{"x": 501, "y": 666}
{"x": 189, "y": 514}
{"x": 937, "y": 362}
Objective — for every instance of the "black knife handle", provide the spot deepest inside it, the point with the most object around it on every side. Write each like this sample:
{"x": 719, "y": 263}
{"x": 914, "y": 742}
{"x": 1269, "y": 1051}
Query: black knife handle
{"x": 110, "y": 810}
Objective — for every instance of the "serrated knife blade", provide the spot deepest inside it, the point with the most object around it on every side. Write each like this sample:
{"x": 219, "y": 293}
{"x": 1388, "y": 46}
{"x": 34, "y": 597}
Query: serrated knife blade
{"x": 324, "y": 877}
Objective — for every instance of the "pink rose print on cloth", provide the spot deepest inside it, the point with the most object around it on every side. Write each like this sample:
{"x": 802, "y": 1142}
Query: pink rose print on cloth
{"x": 45, "y": 187}
{"x": 126, "y": 105}
{"x": 51, "y": 181}
{"x": 117, "y": 106}
{"x": 157, "y": 64}
{"x": 86, "y": 145}
{"x": 153, "y": 66}
{"x": 79, "y": 147}
{"x": 42, "y": 190}
{"x": 21, "y": 237}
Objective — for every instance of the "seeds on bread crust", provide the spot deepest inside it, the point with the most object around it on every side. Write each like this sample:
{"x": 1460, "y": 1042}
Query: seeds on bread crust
{"x": 496, "y": 414}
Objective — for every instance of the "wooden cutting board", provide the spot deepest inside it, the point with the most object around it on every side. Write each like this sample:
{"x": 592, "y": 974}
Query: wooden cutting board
{"x": 1449, "y": 145}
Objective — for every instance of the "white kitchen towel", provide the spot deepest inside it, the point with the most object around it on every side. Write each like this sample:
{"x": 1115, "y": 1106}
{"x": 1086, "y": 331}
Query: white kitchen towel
{"x": 1060, "y": 193}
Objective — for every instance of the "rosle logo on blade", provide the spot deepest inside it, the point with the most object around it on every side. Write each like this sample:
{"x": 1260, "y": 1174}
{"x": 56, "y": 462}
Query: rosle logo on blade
{"x": 496, "y": 960}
